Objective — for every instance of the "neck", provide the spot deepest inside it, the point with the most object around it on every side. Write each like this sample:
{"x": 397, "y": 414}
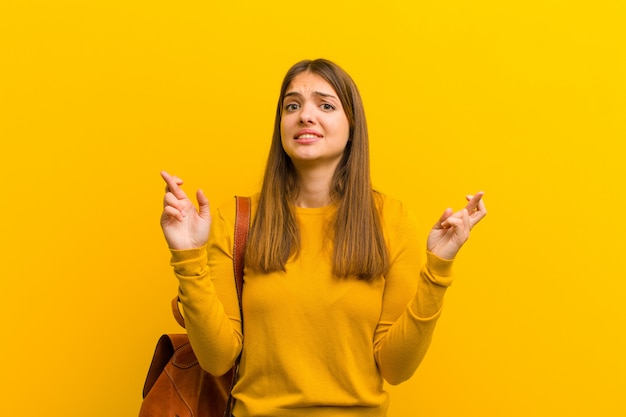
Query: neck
{"x": 314, "y": 187}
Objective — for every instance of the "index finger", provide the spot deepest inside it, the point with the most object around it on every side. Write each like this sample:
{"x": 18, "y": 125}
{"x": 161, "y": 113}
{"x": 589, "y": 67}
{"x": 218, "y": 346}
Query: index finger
{"x": 172, "y": 186}
{"x": 473, "y": 202}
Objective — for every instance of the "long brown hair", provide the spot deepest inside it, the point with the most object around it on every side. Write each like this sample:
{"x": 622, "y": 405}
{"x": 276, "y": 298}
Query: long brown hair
{"x": 358, "y": 244}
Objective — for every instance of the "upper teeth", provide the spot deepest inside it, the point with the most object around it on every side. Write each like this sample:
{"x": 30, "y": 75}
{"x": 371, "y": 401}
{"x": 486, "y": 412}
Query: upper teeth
{"x": 307, "y": 136}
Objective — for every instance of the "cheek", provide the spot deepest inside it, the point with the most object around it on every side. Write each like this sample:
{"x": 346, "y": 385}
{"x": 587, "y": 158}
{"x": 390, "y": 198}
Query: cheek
{"x": 285, "y": 122}
{"x": 345, "y": 128}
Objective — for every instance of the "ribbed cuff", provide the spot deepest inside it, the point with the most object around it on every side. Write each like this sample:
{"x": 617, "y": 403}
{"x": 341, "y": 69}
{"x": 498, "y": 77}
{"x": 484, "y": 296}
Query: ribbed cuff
{"x": 189, "y": 262}
{"x": 439, "y": 269}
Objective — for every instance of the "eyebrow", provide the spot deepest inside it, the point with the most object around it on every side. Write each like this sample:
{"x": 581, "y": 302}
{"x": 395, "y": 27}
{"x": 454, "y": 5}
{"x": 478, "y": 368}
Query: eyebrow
{"x": 315, "y": 93}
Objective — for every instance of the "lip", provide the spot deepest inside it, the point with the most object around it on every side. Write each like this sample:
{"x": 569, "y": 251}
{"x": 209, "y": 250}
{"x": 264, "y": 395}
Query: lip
{"x": 308, "y": 132}
{"x": 307, "y": 136}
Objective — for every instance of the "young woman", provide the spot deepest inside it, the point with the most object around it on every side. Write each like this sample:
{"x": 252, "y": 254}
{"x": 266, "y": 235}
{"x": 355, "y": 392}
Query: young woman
{"x": 337, "y": 296}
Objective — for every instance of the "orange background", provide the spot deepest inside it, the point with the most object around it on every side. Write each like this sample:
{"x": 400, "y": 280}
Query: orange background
{"x": 524, "y": 99}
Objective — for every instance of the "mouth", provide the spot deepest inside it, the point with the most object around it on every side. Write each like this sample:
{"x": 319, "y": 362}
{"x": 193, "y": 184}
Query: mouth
{"x": 308, "y": 135}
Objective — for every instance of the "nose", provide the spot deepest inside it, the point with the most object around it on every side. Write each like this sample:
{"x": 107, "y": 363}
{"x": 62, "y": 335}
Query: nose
{"x": 307, "y": 114}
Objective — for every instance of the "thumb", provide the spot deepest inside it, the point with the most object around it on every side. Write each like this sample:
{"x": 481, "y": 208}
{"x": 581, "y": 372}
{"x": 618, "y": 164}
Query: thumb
{"x": 443, "y": 222}
{"x": 203, "y": 205}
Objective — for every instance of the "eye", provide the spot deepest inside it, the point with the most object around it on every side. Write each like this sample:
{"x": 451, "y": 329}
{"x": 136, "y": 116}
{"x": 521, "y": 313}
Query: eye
{"x": 327, "y": 107}
{"x": 292, "y": 106}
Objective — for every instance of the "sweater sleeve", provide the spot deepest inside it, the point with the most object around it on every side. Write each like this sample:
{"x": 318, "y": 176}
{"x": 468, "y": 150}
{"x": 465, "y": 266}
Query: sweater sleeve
{"x": 412, "y": 302}
{"x": 209, "y": 298}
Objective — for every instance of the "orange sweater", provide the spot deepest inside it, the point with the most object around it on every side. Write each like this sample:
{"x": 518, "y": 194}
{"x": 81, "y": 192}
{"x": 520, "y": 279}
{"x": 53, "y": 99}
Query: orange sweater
{"x": 315, "y": 345}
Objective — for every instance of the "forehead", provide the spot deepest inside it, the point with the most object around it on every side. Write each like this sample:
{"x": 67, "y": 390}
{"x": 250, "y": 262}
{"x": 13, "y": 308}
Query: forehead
{"x": 307, "y": 82}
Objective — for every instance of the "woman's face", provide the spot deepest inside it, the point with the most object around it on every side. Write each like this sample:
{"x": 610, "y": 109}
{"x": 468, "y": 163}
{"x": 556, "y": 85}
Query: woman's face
{"x": 314, "y": 128}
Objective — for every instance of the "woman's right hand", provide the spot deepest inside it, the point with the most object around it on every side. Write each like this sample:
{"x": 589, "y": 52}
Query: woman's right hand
{"x": 184, "y": 227}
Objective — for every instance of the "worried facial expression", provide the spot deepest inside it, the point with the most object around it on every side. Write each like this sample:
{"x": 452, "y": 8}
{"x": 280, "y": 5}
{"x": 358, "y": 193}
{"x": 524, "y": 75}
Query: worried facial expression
{"x": 314, "y": 127}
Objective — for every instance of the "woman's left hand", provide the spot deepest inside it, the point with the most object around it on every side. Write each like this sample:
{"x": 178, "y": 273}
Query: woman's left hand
{"x": 453, "y": 229}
